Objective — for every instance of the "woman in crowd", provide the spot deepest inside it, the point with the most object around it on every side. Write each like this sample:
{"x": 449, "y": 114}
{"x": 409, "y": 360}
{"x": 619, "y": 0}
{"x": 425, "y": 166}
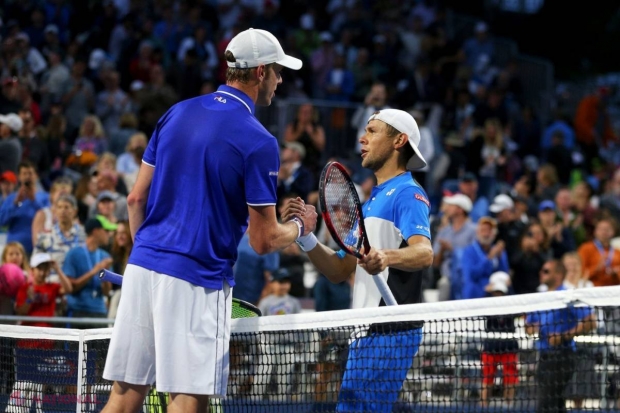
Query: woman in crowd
{"x": 129, "y": 162}
{"x": 45, "y": 219}
{"x": 121, "y": 248}
{"x": 91, "y": 137}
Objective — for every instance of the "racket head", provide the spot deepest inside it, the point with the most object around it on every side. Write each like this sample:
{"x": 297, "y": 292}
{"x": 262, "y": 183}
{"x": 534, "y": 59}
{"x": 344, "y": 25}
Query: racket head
{"x": 243, "y": 309}
{"x": 342, "y": 210}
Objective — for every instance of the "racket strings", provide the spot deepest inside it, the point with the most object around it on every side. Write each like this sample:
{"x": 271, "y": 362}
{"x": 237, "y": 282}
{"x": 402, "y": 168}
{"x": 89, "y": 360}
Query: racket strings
{"x": 342, "y": 208}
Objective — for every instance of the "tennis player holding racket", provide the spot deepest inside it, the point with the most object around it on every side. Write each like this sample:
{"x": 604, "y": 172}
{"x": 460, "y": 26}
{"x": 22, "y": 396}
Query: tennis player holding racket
{"x": 209, "y": 166}
{"x": 396, "y": 218}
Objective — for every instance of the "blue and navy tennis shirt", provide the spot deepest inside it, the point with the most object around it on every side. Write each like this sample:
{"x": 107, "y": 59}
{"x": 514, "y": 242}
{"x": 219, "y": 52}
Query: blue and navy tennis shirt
{"x": 396, "y": 210}
{"x": 211, "y": 158}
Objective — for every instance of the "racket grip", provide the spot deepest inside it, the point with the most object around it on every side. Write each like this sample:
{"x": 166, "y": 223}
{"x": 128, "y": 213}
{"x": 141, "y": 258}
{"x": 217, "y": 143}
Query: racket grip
{"x": 114, "y": 278}
{"x": 385, "y": 291}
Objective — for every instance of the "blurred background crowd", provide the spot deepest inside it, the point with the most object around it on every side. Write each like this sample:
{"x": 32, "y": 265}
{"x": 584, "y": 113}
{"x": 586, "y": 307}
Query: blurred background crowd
{"x": 523, "y": 167}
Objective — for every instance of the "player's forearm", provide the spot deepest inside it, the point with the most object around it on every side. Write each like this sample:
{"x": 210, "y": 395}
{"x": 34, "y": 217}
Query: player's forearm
{"x": 584, "y": 326}
{"x": 415, "y": 257}
{"x": 273, "y": 238}
{"x": 135, "y": 212}
{"x": 328, "y": 263}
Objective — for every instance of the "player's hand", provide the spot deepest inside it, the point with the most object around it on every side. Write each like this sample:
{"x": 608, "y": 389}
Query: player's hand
{"x": 556, "y": 340}
{"x": 374, "y": 262}
{"x": 293, "y": 207}
{"x": 309, "y": 217}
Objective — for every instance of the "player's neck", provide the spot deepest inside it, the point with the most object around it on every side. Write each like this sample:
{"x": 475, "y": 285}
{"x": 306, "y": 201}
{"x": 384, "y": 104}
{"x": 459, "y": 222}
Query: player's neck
{"x": 249, "y": 89}
{"x": 388, "y": 172}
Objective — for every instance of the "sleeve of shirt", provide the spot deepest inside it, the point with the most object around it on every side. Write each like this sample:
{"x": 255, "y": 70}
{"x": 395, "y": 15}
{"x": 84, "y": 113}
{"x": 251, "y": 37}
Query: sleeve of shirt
{"x": 532, "y": 318}
{"x": 412, "y": 213}
{"x": 581, "y": 312}
{"x": 261, "y": 173}
{"x": 150, "y": 152}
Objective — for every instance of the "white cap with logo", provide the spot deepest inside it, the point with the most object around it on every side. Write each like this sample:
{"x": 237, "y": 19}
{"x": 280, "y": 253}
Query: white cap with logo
{"x": 498, "y": 281}
{"x": 254, "y": 47}
{"x": 500, "y": 203}
{"x": 404, "y": 123}
{"x": 40, "y": 258}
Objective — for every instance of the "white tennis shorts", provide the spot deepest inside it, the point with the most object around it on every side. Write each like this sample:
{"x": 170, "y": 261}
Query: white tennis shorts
{"x": 170, "y": 332}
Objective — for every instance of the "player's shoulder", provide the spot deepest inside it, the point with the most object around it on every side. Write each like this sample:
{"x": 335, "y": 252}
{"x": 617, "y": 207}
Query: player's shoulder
{"x": 409, "y": 188}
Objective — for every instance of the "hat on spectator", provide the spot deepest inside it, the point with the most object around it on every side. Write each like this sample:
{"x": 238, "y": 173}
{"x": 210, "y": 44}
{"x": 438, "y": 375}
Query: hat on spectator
{"x": 22, "y": 36}
{"x": 498, "y": 281}
{"x": 99, "y": 222}
{"x": 96, "y": 59}
{"x": 488, "y": 220}
{"x": 545, "y": 205}
{"x": 103, "y": 195}
{"x": 404, "y": 123}
{"x": 500, "y": 203}
{"x": 469, "y": 177}
{"x": 281, "y": 274}
{"x": 51, "y": 28}
{"x": 297, "y": 147}
{"x": 8, "y": 176}
{"x": 460, "y": 200}
{"x": 254, "y": 47}
{"x": 40, "y": 258}
{"x": 13, "y": 121}
{"x": 136, "y": 85}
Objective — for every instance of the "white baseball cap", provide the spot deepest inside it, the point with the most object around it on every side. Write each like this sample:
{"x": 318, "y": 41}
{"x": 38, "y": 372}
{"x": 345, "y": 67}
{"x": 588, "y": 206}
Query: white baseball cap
{"x": 460, "y": 200}
{"x": 254, "y": 47}
{"x": 404, "y": 123}
{"x": 40, "y": 258}
{"x": 13, "y": 121}
{"x": 500, "y": 203}
{"x": 498, "y": 281}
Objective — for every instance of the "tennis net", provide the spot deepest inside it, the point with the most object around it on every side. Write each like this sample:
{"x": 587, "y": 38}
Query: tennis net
{"x": 472, "y": 355}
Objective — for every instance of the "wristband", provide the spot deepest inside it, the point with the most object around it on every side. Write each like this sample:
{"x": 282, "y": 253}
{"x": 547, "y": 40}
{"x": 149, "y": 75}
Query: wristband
{"x": 307, "y": 242}
{"x": 300, "y": 226}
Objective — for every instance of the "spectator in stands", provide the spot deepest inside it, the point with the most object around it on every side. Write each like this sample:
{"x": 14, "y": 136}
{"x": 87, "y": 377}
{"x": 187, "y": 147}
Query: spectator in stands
{"x": 293, "y": 176}
{"x": 601, "y": 262}
{"x": 584, "y": 203}
{"x": 186, "y": 76}
{"x": 476, "y": 46}
{"x": 569, "y": 217}
{"x": 205, "y": 50}
{"x": 44, "y": 220}
{"x": 528, "y": 258}
{"x": 14, "y": 253}
{"x": 129, "y": 161}
{"x": 307, "y": 130}
{"x": 253, "y": 272}
{"x": 91, "y": 136}
{"x": 106, "y": 166}
{"x": 526, "y": 133}
{"x": 106, "y": 185}
{"x": 610, "y": 200}
{"x": 10, "y": 147}
{"x": 9, "y": 98}
{"x": 34, "y": 148}
{"x": 280, "y": 302}
{"x": 510, "y": 227}
{"x": 482, "y": 258}
{"x": 78, "y": 98}
{"x": 111, "y": 103}
{"x": 458, "y": 234}
{"x": 499, "y": 351}
{"x": 8, "y": 181}
{"x": 155, "y": 98}
{"x": 556, "y": 330}
{"x": 53, "y": 80}
{"x": 593, "y": 127}
{"x": 322, "y": 60}
{"x": 340, "y": 84}
{"x": 118, "y": 139}
{"x": 487, "y": 156}
{"x": 560, "y": 157}
{"x": 561, "y": 238}
{"x": 37, "y": 298}
{"x": 468, "y": 185}
{"x": 122, "y": 245}
{"x": 575, "y": 277}
{"x": 491, "y": 105}
{"x": 82, "y": 265}
{"x": 19, "y": 208}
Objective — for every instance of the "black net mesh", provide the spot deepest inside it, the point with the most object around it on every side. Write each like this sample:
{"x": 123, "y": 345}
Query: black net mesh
{"x": 522, "y": 362}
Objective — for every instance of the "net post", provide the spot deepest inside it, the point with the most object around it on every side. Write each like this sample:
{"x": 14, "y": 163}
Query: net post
{"x": 80, "y": 371}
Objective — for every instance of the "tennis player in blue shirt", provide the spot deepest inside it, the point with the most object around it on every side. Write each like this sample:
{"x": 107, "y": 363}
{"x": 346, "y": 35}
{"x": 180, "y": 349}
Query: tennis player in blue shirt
{"x": 556, "y": 330}
{"x": 209, "y": 166}
{"x": 396, "y": 217}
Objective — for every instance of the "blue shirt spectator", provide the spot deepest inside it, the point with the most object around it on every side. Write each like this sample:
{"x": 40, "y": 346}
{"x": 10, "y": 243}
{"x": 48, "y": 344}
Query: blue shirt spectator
{"x": 253, "y": 272}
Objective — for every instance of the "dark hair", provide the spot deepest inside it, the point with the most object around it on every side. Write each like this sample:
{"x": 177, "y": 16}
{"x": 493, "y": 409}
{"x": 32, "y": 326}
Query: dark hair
{"x": 558, "y": 266}
{"x": 26, "y": 164}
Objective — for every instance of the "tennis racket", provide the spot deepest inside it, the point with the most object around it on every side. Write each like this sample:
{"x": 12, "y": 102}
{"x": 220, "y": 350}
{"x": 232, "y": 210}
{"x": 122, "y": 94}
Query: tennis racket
{"x": 240, "y": 308}
{"x": 342, "y": 213}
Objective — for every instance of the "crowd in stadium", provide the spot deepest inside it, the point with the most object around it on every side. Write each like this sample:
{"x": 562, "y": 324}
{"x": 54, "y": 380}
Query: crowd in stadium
{"x": 84, "y": 84}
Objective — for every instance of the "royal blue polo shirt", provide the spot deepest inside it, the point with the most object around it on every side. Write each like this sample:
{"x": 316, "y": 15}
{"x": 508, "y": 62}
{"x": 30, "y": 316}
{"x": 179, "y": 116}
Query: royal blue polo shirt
{"x": 211, "y": 158}
{"x": 557, "y": 321}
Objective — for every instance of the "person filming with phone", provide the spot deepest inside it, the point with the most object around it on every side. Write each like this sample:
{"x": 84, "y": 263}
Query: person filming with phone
{"x": 19, "y": 208}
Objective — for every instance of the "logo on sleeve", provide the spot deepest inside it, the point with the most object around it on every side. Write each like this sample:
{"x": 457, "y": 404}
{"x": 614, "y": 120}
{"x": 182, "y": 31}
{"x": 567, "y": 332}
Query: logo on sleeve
{"x": 273, "y": 173}
{"x": 423, "y": 199}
